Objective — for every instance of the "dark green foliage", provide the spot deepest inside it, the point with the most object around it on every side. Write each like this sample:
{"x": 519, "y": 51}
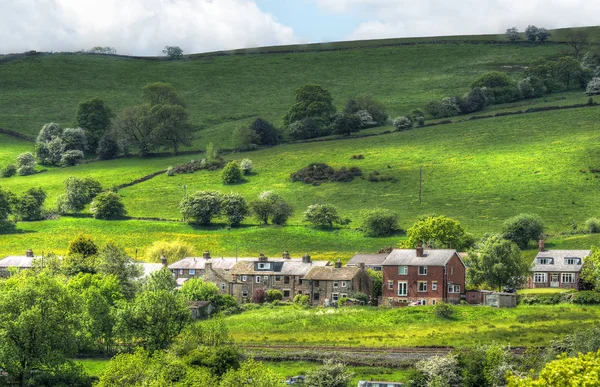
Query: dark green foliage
{"x": 171, "y": 127}
{"x": 345, "y": 124}
{"x": 173, "y": 52}
{"x": 367, "y": 102}
{"x": 318, "y": 173}
{"x": 74, "y": 139}
{"x": 444, "y": 311}
{"x": 161, "y": 279}
{"x": 71, "y": 157}
{"x": 108, "y": 206}
{"x": 94, "y": 117}
{"x": 5, "y": 204}
{"x": 274, "y": 295}
{"x": 113, "y": 260}
{"x": 311, "y": 101}
{"x": 447, "y": 107}
{"x": 83, "y": 245}
{"x": 322, "y": 215}
{"x": 439, "y": 232}
{"x": 592, "y": 225}
{"x": 78, "y": 193}
{"x": 266, "y": 133}
{"x": 270, "y": 206}
{"x": 568, "y": 69}
{"x": 531, "y": 87}
{"x": 201, "y": 206}
{"x": 134, "y": 129}
{"x": 234, "y": 208}
{"x": 376, "y": 176}
{"x": 475, "y": 101}
{"x": 29, "y": 205}
{"x": 50, "y": 152}
{"x": 232, "y": 173}
{"x": 499, "y": 87}
{"x": 417, "y": 116}
{"x": 9, "y": 170}
{"x": 380, "y": 222}
{"x": 305, "y": 129}
{"x": 68, "y": 374}
{"x": 244, "y": 138}
{"x": 49, "y": 132}
{"x": 108, "y": 147}
{"x": 402, "y": 123}
{"x": 523, "y": 228}
{"x": 531, "y": 33}
{"x": 161, "y": 93}
{"x": 25, "y": 164}
{"x": 377, "y": 277}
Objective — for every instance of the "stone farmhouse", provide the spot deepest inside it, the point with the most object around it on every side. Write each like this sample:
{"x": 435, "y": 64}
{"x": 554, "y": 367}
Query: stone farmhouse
{"x": 216, "y": 270}
{"x": 422, "y": 277}
{"x": 556, "y": 268}
{"x": 371, "y": 261}
{"x": 18, "y": 262}
{"x": 327, "y": 284}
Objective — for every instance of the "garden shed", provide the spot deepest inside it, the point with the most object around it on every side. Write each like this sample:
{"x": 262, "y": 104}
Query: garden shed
{"x": 500, "y": 300}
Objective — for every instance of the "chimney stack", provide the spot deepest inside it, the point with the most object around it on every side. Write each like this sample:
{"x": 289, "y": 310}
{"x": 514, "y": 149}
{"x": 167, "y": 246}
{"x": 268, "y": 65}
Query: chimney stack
{"x": 541, "y": 244}
{"x": 306, "y": 258}
{"x": 420, "y": 250}
{"x": 338, "y": 264}
{"x": 207, "y": 266}
{"x": 206, "y": 255}
{"x": 29, "y": 253}
{"x": 286, "y": 255}
{"x": 163, "y": 260}
{"x": 362, "y": 266}
{"x": 262, "y": 258}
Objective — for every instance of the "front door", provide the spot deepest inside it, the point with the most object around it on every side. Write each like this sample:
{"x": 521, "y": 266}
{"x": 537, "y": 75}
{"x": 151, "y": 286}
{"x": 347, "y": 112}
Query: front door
{"x": 554, "y": 280}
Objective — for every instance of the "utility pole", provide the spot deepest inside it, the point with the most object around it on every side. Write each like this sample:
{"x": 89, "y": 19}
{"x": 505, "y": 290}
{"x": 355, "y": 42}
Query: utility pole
{"x": 420, "y": 184}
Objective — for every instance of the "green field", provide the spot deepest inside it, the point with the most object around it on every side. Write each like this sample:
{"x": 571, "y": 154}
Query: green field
{"x": 408, "y": 327}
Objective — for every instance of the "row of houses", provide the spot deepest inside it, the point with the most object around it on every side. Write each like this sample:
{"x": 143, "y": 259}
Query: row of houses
{"x": 421, "y": 276}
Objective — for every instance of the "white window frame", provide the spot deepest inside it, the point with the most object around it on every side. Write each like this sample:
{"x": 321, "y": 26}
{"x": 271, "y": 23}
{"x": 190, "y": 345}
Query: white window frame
{"x": 223, "y": 287}
{"x": 433, "y": 285}
{"x": 335, "y": 284}
{"x": 244, "y": 293}
{"x": 540, "y": 278}
{"x": 421, "y": 302}
{"x": 266, "y": 278}
{"x": 334, "y": 297}
{"x": 403, "y": 270}
{"x": 545, "y": 261}
{"x": 344, "y": 284}
{"x": 192, "y": 272}
{"x": 264, "y": 265}
{"x": 572, "y": 259}
{"x": 421, "y": 289}
{"x": 402, "y": 285}
{"x": 244, "y": 278}
{"x": 570, "y": 276}
{"x": 422, "y": 270}
{"x": 455, "y": 289}
{"x": 257, "y": 279}
{"x": 390, "y": 284}
{"x": 277, "y": 278}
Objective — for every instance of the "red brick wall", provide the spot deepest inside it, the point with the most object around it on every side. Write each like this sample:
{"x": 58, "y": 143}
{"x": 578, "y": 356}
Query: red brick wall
{"x": 456, "y": 274}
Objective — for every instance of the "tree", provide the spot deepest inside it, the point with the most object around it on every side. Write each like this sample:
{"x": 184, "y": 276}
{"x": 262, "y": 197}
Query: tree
{"x": 438, "y": 232}
{"x": 251, "y": 374}
{"x": 304, "y": 129}
{"x": 379, "y": 222}
{"x": 196, "y": 289}
{"x": 5, "y": 210}
{"x": 270, "y": 206}
{"x": 593, "y": 87}
{"x": 82, "y": 244}
{"x": 246, "y": 165}
{"x": 567, "y": 69}
{"x": 160, "y": 280}
{"x": 49, "y": 132}
{"x": 323, "y": 215}
{"x": 108, "y": 206}
{"x": 108, "y": 147}
{"x": 201, "y": 206}
{"x": 171, "y": 126}
{"x": 345, "y": 124}
{"x": 259, "y": 296}
{"x": 234, "y": 208}
{"x": 113, "y": 259}
{"x": 174, "y": 251}
{"x": 74, "y": 139}
{"x": 133, "y": 126}
{"x": 8, "y": 171}
{"x": 232, "y": 173}
{"x": 475, "y": 101}
{"x": 523, "y": 228}
{"x": 402, "y": 123}
{"x": 368, "y": 103}
{"x": 311, "y": 101}
{"x": 50, "y": 152}
{"x": 274, "y": 295}
{"x": 499, "y": 87}
{"x": 30, "y": 204}
{"x": 498, "y": 263}
{"x": 590, "y": 270}
{"x": 543, "y": 34}
{"x": 78, "y": 193}
{"x": 71, "y": 157}
{"x": 25, "y": 164}
{"x": 266, "y": 133}
{"x": 173, "y": 52}
{"x": 244, "y": 138}
{"x": 531, "y": 33}
{"x": 330, "y": 374}
{"x": 512, "y": 34}
{"x": 161, "y": 93}
{"x": 377, "y": 277}
{"x": 94, "y": 116}
{"x": 155, "y": 317}
{"x": 578, "y": 39}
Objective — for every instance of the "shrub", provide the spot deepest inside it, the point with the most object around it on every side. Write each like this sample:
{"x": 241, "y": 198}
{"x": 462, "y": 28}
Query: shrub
{"x": 232, "y": 173}
{"x": 369, "y": 104}
{"x": 417, "y": 116}
{"x": 366, "y": 120}
{"x": 108, "y": 206}
{"x": 301, "y": 300}
{"x": 475, "y": 101}
{"x": 402, "y": 123}
{"x": 9, "y": 170}
{"x": 444, "y": 310}
{"x": 172, "y": 250}
{"x": 357, "y": 157}
{"x": 592, "y": 225}
{"x": 259, "y": 296}
{"x": 201, "y": 206}
{"x": 498, "y": 86}
{"x": 50, "y": 153}
{"x": 78, "y": 193}
{"x": 246, "y": 166}
{"x": 234, "y": 208}
{"x": 341, "y": 302}
{"x": 318, "y": 173}
{"x": 108, "y": 147}
{"x": 523, "y": 228}
{"x": 170, "y": 171}
{"x": 71, "y": 157}
{"x": 74, "y": 139}
{"x": 29, "y": 206}
{"x": 345, "y": 124}
{"x": 271, "y": 206}
{"x": 531, "y": 87}
{"x": 274, "y": 295}
{"x": 265, "y": 132}
{"x": 305, "y": 129}
{"x": 376, "y": 176}
{"x": 447, "y": 107}
{"x": 311, "y": 101}
{"x": 362, "y": 297}
{"x": 25, "y": 164}
{"x": 512, "y": 34}
{"x": 323, "y": 215}
{"x": 49, "y": 132}
{"x": 244, "y": 138}
{"x": 379, "y": 222}
{"x": 593, "y": 87}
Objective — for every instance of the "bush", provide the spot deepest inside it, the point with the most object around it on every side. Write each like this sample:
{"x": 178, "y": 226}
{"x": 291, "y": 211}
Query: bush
{"x": 498, "y": 86}
{"x": 172, "y": 250}
{"x": 108, "y": 206}
{"x": 447, "y": 107}
{"x": 271, "y": 206}
{"x": 108, "y": 148}
{"x": 259, "y": 296}
{"x": 375, "y": 176}
{"x": 301, "y": 300}
{"x": 367, "y": 103}
{"x": 475, "y": 101}
{"x": 246, "y": 166}
{"x": 173, "y": 52}
{"x": 274, "y": 295}
{"x": 323, "y": 215}
{"x": 379, "y": 223}
{"x": 244, "y": 138}
{"x": 74, "y": 139}
{"x": 71, "y": 157}
{"x": 318, "y": 173}
{"x": 360, "y": 297}
{"x": 592, "y": 226}
{"x": 366, "y": 120}
{"x": 402, "y": 123}
{"x": 523, "y": 228}
{"x": 305, "y": 129}
{"x": 444, "y": 310}
{"x": 593, "y": 87}
{"x": 345, "y": 124}
{"x": 531, "y": 87}
{"x": 341, "y": 302}
{"x": 201, "y": 206}
{"x": 78, "y": 193}
{"x": 9, "y": 170}
{"x": 29, "y": 206}
{"x": 265, "y": 132}
{"x": 25, "y": 164}
{"x": 417, "y": 116}
{"x": 232, "y": 173}
{"x": 234, "y": 208}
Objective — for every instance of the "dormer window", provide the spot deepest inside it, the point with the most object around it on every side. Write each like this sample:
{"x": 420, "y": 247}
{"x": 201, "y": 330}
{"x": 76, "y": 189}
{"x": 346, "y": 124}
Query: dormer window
{"x": 545, "y": 261}
{"x": 264, "y": 266}
{"x": 572, "y": 261}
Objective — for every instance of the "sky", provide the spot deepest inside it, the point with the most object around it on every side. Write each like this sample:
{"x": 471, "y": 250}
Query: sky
{"x": 145, "y": 27}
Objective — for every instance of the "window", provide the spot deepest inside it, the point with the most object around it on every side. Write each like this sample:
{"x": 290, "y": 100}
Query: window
{"x": 286, "y": 279}
{"x": 390, "y": 284}
{"x": 568, "y": 278}
{"x": 434, "y": 285}
{"x": 572, "y": 261}
{"x": 344, "y": 295}
{"x": 422, "y": 286}
{"x": 422, "y": 270}
{"x": 266, "y": 278}
{"x": 540, "y": 278}
{"x": 299, "y": 280}
{"x": 403, "y": 270}
{"x": 192, "y": 272}
{"x": 180, "y": 271}
{"x": 316, "y": 296}
{"x": 223, "y": 286}
{"x": 453, "y": 288}
{"x": 335, "y": 284}
{"x": 244, "y": 293}
{"x": 257, "y": 279}
{"x": 334, "y": 297}
{"x": 433, "y": 302}
{"x": 244, "y": 278}
{"x": 344, "y": 284}
{"x": 421, "y": 302}
{"x": 402, "y": 288}
{"x": 545, "y": 261}
{"x": 286, "y": 293}
{"x": 277, "y": 278}
{"x": 264, "y": 266}
{"x": 316, "y": 283}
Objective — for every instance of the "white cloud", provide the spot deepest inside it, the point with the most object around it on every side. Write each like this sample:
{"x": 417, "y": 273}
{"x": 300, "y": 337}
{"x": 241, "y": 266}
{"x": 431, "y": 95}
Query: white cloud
{"x": 400, "y": 18}
{"x": 140, "y": 27}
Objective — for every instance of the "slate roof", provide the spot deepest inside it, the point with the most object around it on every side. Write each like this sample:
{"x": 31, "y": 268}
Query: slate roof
{"x": 559, "y": 260}
{"x": 367, "y": 259}
{"x": 332, "y": 273}
{"x": 17, "y": 261}
{"x": 198, "y": 263}
{"x": 280, "y": 266}
{"x": 150, "y": 268}
{"x": 408, "y": 257}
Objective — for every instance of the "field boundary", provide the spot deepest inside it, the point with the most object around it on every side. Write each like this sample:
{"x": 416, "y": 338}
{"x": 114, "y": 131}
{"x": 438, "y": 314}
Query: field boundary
{"x": 18, "y": 135}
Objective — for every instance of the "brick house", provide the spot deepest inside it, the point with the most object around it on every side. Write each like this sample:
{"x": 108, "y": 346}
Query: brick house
{"x": 556, "y": 268}
{"x": 284, "y": 274}
{"x": 371, "y": 261}
{"x": 215, "y": 270}
{"x": 422, "y": 277}
{"x": 329, "y": 283}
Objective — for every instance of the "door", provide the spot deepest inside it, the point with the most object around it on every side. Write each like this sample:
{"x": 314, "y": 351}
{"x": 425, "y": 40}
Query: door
{"x": 554, "y": 280}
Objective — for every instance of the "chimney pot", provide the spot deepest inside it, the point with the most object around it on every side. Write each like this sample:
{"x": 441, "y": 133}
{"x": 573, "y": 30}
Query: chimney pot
{"x": 286, "y": 255}
{"x": 262, "y": 258}
{"x": 163, "y": 260}
{"x": 420, "y": 250}
{"x": 338, "y": 264}
{"x": 362, "y": 266}
{"x": 306, "y": 258}
{"x": 541, "y": 244}
{"x": 29, "y": 253}
{"x": 206, "y": 254}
